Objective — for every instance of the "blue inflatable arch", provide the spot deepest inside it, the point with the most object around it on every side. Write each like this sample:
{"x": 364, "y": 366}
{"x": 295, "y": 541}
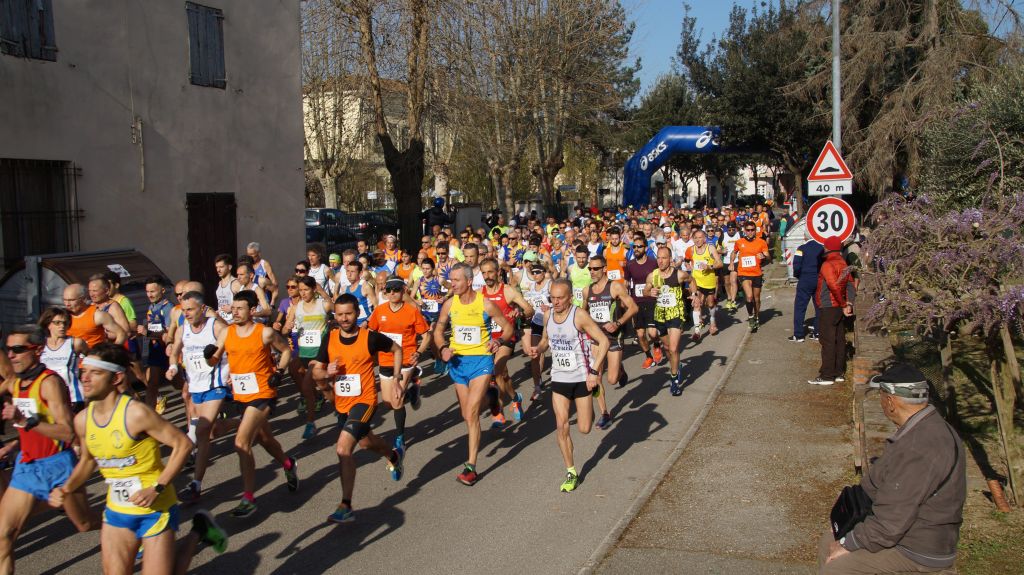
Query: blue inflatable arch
{"x": 668, "y": 142}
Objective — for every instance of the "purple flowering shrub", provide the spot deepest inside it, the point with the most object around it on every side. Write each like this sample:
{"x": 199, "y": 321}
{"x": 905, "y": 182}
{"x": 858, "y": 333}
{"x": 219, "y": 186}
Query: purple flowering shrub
{"x": 962, "y": 267}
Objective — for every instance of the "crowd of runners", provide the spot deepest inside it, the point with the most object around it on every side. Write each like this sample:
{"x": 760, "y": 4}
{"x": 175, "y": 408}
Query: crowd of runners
{"x": 358, "y": 331}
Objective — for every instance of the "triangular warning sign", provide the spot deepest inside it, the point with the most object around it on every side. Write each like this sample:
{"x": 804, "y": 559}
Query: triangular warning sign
{"x": 830, "y": 165}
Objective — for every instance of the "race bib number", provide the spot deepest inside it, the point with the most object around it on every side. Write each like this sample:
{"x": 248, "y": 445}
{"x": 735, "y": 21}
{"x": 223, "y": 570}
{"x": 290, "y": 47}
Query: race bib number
{"x": 577, "y": 294}
{"x": 226, "y": 316}
{"x": 467, "y": 334}
{"x": 614, "y": 274}
{"x": 310, "y": 338}
{"x": 601, "y": 312}
{"x": 638, "y": 289}
{"x": 121, "y": 490}
{"x": 536, "y": 303}
{"x": 748, "y": 261}
{"x": 196, "y": 364}
{"x": 395, "y": 337}
{"x": 348, "y": 385}
{"x": 244, "y": 383}
{"x": 27, "y": 406}
{"x": 564, "y": 360}
{"x": 494, "y": 327}
{"x": 155, "y": 328}
{"x": 431, "y": 306}
{"x": 700, "y": 265}
{"x": 667, "y": 298}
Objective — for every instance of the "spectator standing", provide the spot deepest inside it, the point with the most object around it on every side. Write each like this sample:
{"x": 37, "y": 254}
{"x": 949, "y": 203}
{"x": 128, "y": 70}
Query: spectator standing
{"x": 806, "y": 262}
{"x": 835, "y": 295}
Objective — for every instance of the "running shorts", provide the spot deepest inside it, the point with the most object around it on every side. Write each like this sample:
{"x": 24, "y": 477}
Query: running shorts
{"x": 41, "y": 476}
{"x": 357, "y": 421}
{"x": 570, "y": 390}
{"x": 147, "y": 525}
{"x": 465, "y": 368}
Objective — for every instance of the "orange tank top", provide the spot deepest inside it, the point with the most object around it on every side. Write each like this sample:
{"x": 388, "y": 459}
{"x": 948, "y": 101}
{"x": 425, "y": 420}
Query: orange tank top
{"x": 616, "y": 259}
{"x": 355, "y": 382}
{"x": 251, "y": 365}
{"x": 84, "y": 326}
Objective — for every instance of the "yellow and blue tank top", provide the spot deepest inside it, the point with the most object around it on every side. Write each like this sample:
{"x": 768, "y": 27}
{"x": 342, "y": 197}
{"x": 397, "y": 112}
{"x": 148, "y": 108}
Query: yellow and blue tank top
{"x": 470, "y": 332}
{"x": 127, "y": 463}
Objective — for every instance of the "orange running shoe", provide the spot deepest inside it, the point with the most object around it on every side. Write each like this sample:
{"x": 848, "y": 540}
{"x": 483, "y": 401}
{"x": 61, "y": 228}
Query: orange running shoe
{"x": 648, "y": 363}
{"x": 658, "y": 356}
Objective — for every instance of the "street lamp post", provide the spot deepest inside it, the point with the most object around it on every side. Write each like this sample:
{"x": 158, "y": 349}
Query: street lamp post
{"x": 837, "y": 130}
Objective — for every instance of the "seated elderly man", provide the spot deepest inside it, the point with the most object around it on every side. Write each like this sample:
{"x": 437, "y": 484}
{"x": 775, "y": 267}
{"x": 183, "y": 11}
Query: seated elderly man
{"x": 917, "y": 488}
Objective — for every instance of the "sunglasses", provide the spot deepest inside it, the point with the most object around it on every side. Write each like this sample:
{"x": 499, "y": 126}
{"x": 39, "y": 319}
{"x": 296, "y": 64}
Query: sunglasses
{"x": 179, "y": 293}
{"x": 21, "y": 348}
{"x": 301, "y": 270}
{"x": 535, "y": 272}
{"x": 292, "y": 286}
{"x": 393, "y": 290}
{"x": 597, "y": 269}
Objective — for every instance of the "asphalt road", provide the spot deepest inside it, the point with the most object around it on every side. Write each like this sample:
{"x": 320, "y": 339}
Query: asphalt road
{"x": 513, "y": 518}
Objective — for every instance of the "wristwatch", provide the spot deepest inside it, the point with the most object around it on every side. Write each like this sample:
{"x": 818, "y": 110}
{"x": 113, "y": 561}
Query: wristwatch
{"x": 593, "y": 371}
{"x": 31, "y": 422}
{"x": 159, "y": 488}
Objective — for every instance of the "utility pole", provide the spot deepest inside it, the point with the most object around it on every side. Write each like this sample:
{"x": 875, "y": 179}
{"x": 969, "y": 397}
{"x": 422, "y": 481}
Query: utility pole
{"x": 837, "y": 129}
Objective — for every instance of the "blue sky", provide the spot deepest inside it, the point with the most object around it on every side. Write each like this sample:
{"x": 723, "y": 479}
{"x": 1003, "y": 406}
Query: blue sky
{"x": 658, "y": 24}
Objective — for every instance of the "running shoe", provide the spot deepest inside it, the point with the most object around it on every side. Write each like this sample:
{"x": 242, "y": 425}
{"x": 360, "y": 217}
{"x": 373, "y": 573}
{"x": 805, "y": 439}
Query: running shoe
{"x": 396, "y": 468}
{"x": 310, "y": 431}
{"x": 191, "y": 494}
{"x": 400, "y": 442}
{"x": 623, "y": 378}
{"x": 795, "y": 339}
{"x": 245, "y": 508}
{"x": 571, "y": 480}
{"x": 437, "y": 366}
{"x": 752, "y": 324}
{"x": 499, "y": 421}
{"x": 674, "y": 387}
{"x": 517, "y": 408}
{"x": 467, "y": 477}
{"x": 605, "y": 421}
{"x": 209, "y": 532}
{"x": 291, "y": 475}
{"x": 813, "y": 336}
{"x": 658, "y": 356}
{"x": 839, "y": 379}
{"x": 445, "y": 368}
{"x": 648, "y": 363}
{"x": 820, "y": 381}
{"x": 415, "y": 395}
{"x": 161, "y": 405}
{"x": 301, "y": 407}
{"x": 343, "y": 514}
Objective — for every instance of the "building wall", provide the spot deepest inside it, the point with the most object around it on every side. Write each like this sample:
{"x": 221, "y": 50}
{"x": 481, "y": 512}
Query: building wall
{"x": 121, "y": 59}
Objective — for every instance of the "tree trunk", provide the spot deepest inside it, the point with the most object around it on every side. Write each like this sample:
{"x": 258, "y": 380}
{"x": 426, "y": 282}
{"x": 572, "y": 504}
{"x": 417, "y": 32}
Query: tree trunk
{"x": 1002, "y": 391}
{"x": 798, "y": 193}
{"x": 1011, "y": 362}
{"x": 330, "y": 186}
{"x": 507, "y": 203}
{"x": 406, "y": 169}
{"x": 946, "y": 359}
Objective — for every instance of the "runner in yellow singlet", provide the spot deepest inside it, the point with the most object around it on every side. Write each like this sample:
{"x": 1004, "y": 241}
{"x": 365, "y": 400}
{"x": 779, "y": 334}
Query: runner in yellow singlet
{"x": 703, "y": 261}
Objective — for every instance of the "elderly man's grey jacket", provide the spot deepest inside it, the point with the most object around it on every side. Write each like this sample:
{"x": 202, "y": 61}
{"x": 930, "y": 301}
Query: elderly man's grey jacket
{"x": 909, "y": 514}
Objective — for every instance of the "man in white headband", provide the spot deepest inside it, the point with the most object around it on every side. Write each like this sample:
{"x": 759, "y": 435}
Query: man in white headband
{"x": 122, "y": 437}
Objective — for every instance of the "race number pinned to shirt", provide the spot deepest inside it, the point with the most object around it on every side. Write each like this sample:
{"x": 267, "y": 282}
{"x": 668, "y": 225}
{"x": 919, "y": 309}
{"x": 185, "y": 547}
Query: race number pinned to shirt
{"x": 614, "y": 274}
{"x": 310, "y": 338}
{"x": 27, "y": 406}
{"x": 564, "y": 360}
{"x": 667, "y": 298}
{"x": 638, "y": 289}
{"x": 120, "y": 490}
{"x": 601, "y": 312}
{"x": 430, "y": 306}
{"x": 395, "y": 337}
{"x": 348, "y": 385}
{"x": 155, "y": 328}
{"x": 748, "y": 261}
{"x": 196, "y": 363}
{"x": 467, "y": 334}
{"x": 244, "y": 383}
{"x": 577, "y": 294}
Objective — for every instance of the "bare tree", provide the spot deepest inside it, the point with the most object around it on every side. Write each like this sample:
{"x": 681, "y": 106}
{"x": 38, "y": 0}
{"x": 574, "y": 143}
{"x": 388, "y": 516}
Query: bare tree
{"x": 328, "y": 57}
{"x": 393, "y": 38}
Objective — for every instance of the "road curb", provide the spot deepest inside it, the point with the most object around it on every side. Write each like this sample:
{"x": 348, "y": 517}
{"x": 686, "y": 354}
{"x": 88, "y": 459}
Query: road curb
{"x": 590, "y": 567}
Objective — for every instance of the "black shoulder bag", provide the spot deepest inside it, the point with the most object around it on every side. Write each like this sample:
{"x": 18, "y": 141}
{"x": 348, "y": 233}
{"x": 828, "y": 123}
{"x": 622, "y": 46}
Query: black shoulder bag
{"x": 854, "y": 505}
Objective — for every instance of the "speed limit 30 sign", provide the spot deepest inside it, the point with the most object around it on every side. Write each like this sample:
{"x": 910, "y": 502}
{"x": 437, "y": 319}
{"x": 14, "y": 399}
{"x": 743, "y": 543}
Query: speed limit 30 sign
{"x": 830, "y": 218}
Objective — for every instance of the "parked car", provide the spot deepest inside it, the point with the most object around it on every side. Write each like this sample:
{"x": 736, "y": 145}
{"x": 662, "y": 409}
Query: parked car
{"x": 334, "y": 238}
{"x": 373, "y": 226}
{"x": 329, "y": 217}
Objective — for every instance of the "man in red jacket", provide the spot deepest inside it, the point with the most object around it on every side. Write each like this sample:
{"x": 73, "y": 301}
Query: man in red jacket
{"x": 835, "y": 296}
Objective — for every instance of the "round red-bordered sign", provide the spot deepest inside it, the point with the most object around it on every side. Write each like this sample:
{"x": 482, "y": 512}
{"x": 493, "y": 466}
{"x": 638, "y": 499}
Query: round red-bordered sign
{"x": 830, "y": 218}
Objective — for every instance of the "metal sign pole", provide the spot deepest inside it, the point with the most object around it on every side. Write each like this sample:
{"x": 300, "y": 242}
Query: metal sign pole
{"x": 837, "y": 130}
